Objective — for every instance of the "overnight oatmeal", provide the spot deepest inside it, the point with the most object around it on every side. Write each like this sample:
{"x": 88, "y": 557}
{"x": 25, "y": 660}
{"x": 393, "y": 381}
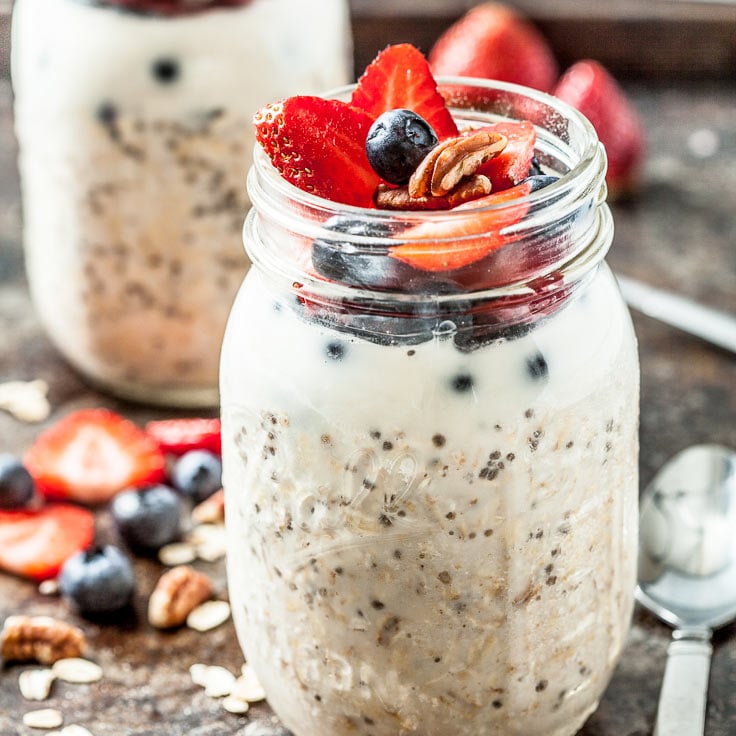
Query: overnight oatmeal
{"x": 135, "y": 129}
{"x": 431, "y": 469}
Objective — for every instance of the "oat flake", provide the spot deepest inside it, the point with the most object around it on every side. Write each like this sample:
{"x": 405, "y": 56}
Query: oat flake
{"x": 45, "y": 718}
{"x": 235, "y": 705}
{"x": 209, "y": 615}
{"x": 247, "y": 687}
{"x": 198, "y": 673}
{"x": 178, "y": 553}
{"x": 217, "y": 681}
{"x": 74, "y": 730}
{"x": 77, "y": 670}
{"x": 35, "y": 684}
{"x": 25, "y": 400}
{"x": 49, "y": 587}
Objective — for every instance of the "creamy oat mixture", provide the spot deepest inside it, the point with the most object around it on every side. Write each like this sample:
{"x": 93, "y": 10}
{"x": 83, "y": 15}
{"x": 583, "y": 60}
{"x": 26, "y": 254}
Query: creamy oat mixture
{"x": 134, "y": 133}
{"x": 425, "y": 539}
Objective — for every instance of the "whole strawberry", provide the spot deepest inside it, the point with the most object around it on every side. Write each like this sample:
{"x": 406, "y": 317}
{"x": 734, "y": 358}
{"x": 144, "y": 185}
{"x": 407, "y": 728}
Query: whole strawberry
{"x": 492, "y": 41}
{"x": 589, "y": 88}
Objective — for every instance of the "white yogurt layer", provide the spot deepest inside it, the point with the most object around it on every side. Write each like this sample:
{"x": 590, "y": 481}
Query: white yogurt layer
{"x": 429, "y": 541}
{"x": 135, "y": 132}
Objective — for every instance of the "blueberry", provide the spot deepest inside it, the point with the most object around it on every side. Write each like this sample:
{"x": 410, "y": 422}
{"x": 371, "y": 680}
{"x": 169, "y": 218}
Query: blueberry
{"x": 165, "y": 70}
{"x": 147, "y": 518}
{"x": 397, "y": 143}
{"x": 98, "y": 580}
{"x": 16, "y": 484}
{"x": 540, "y": 181}
{"x": 197, "y": 474}
{"x": 535, "y": 169}
{"x": 537, "y": 366}
{"x": 367, "y": 265}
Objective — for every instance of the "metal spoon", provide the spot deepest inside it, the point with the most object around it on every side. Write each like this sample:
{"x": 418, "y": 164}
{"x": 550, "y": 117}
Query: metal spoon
{"x": 687, "y": 573}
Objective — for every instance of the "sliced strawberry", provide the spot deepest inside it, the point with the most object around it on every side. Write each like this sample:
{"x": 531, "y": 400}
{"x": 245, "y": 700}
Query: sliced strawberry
{"x": 588, "y": 87}
{"x": 177, "y": 436}
{"x": 319, "y": 146}
{"x": 455, "y": 242}
{"x": 35, "y": 544}
{"x": 400, "y": 77}
{"x": 511, "y": 167}
{"x": 492, "y": 41}
{"x": 92, "y": 454}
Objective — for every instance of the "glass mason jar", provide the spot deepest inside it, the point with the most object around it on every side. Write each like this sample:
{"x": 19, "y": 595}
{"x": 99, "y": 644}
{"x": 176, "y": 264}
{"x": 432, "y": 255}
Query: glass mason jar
{"x": 134, "y": 124}
{"x": 431, "y": 477}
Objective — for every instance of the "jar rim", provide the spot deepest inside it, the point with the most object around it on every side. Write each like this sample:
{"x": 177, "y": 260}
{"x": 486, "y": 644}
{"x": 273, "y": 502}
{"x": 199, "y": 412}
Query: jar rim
{"x": 567, "y": 134}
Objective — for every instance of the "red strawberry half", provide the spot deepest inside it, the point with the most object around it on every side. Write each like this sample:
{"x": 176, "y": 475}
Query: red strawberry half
{"x": 178, "y": 436}
{"x": 35, "y": 544}
{"x": 400, "y": 77}
{"x": 319, "y": 146}
{"x": 493, "y": 42}
{"x": 512, "y": 165}
{"x": 92, "y": 454}
{"x": 456, "y": 242}
{"x": 588, "y": 87}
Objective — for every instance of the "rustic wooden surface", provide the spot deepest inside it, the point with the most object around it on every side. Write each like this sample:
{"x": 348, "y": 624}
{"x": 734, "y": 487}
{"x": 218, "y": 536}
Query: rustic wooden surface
{"x": 679, "y": 233}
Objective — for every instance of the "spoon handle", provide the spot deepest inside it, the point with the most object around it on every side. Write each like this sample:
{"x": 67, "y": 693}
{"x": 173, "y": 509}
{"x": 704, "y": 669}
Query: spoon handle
{"x": 682, "y": 700}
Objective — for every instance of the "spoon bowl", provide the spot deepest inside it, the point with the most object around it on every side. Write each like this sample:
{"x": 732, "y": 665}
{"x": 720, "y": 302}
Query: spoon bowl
{"x": 687, "y": 573}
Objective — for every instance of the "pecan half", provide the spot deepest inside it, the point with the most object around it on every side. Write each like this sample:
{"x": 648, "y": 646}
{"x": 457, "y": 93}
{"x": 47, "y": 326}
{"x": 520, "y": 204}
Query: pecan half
{"x": 178, "y": 592}
{"x": 211, "y": 510}
{"x": 40, "y": 638}
{"x": 454, "y": 159}
{"x": 390, "y": 198}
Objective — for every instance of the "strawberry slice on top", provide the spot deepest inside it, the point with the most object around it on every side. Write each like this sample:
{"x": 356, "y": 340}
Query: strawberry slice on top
{"x": 512, "y": 165}
{"x": 400, "y": 77}
{"x": 92, "y": 454}
{"x": 36, "y": 543}
{"x": 177, "y": 436}
{"x": 319, "y": 146}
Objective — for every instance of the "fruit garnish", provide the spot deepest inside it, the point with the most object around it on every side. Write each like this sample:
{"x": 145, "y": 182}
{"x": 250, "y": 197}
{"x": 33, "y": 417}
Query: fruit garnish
{"x": 92, "y": 454}
{"x": 98, "y": 580}
{"x": 16, "y": 484}
{"x": 492, "y": 41}
{"x": 588, "y": 87}
{"x": 197, "y": 475}
{"x": 397, "y": 143}
{"x": 458, "y": 241}
{"x": 512, "y": 165}
{"x": 148, "y": 518}
{"x": 319, "y": 146}
{"x": 36, "y": 543}
{"x": 177, "y": 436}
{"x": 400, "y": 77}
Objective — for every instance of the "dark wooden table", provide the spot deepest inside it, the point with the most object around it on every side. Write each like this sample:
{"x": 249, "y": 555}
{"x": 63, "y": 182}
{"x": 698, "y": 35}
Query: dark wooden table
{"x": 679, "y": 233}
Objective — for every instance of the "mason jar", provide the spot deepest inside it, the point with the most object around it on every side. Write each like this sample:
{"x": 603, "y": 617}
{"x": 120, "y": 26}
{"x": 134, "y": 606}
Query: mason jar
{"x": 431, "y": 476}
{"x": 134, "y": 124}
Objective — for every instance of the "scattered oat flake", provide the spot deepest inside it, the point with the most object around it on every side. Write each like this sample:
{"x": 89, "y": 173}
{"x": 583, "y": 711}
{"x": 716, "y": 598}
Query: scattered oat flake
{"x": 45, "y": 718}
{"x": 217, "y": 681}
{"x": 25, "y": 400}
{"x": 178, "y": 553}
{"x": 198, "y": 673}
{"x": 235, "y": 705}
{"x": 209, "y": 615}
{"x": 74, "y": 730}
{"x": 49, "y": 587}
{"x": 247, "y": 686}
{"x": 77, "y": 670}
{"x": 36, "y": 684}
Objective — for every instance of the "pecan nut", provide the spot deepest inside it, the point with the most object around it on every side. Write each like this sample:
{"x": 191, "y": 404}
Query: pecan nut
{"x": 211, "y": 510}
{"x": 40, "y": 638}
{"x": 178, "y": 592}
{"x": 453, "y": 160}
{"x": 390, "y": 198}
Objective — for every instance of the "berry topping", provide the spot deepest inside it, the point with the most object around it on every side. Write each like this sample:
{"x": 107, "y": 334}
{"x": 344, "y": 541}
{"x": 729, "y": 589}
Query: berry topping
{"x": 397, "y": 143}
{"x": 512, "y": 165}
{"x": 91, "y": 455}
{"x": 147, "y": 518}
{"x": 400, "y": 77}
{"x": 588, "y": 87}
{"x": 540, "y": 181}
{"x": 172, "y": 7}
{"x": 35, "y": 544}
{"x": 197, "y": 474}
{"x": 459, "y": 241}
{"x": 16, "y": 484}
{"x": 99, "y": 580}
{"x": 177, "y": 436}
{"x": 492, "y": 41}
{"x": 319, "y": 146}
